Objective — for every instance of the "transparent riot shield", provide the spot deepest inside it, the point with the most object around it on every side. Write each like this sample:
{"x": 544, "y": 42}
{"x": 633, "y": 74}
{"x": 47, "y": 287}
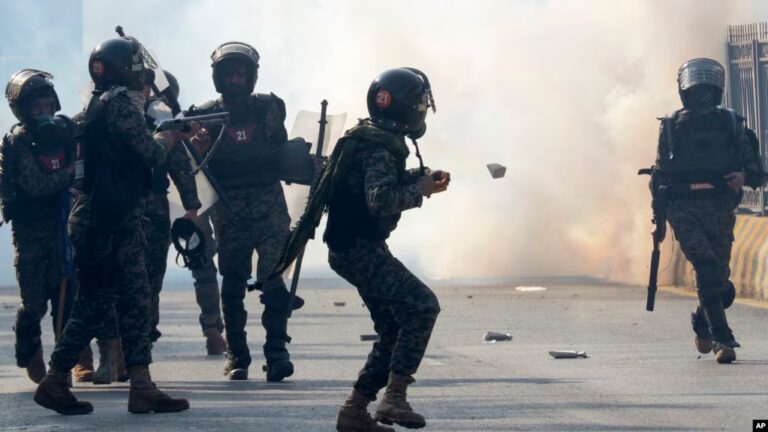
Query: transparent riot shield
{"x": 307, "y": 126}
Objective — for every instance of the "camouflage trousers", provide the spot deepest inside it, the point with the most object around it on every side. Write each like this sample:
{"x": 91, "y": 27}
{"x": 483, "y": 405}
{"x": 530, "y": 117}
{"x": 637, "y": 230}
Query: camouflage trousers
{"x": 157, "y": 228}
{"x": 257, "y": 220}
{"x": 704, "y": 229}
{"x": 113, "y": 289}
{"x": 206, "y": 281}
{"x": 403, "y": 309}
{"x": 38, "y": 262}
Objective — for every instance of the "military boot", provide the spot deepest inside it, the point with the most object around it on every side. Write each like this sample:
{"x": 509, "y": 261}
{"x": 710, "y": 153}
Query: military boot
{"x": 725, "y": 352}
{"x": 703, "y": 339}
{"x": 278, "y": 370}
{"x": 107, "y": 371}
{"x": 236, "y": 368}
{"x": 393, "y": 408}
{"x": 53, "y": 393}
{"x": 36, "y": 365}
{"x": 83, "y": 370}
{"x": 215, "y": 344}
{"x": 353, "y": 416}
{"x": 144, "y": 396}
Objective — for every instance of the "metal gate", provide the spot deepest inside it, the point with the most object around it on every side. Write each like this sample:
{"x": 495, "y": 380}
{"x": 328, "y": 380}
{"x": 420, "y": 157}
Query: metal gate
{"x": 747, "y": 93}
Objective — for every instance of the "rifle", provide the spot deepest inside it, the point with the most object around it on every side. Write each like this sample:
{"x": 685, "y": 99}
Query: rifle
{"x": 182, "y": 124}
{"x": 168, "y": 97}
{"x": 660, "y": 220}
{"x": 300, "y": 258}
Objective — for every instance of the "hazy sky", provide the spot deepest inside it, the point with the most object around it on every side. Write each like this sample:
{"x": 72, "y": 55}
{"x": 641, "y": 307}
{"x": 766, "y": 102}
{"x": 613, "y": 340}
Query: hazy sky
{"x": 564, "y": 93}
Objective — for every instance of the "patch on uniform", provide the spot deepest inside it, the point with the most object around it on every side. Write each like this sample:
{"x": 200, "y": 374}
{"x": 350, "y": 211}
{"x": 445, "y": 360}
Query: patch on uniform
{"x": 383, "y": 99}
{"x": 53, "y": 162}
{"x": 241, "y": 134}
{"x": 97, "y": 68}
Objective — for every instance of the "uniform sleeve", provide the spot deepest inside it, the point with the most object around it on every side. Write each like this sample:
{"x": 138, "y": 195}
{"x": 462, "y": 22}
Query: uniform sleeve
{"x": 752, "y": 163}
{"x": 383, "y": 194}
{"x": 35, "y": 181}
{"x": 127, "y": 124}
{"x": 275, "y": 119}
{"x": 180, "y": 171}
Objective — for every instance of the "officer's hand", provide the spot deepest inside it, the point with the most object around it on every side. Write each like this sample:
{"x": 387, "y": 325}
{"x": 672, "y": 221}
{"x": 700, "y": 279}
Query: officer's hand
{"x": 201, "y": 141}
{"x": 735, "y": 180}
{"x": 441, "y": 179}
{"x": 427, "y": 185}
{"x": 191, "y": 215}
{"x": 192, "y": 129}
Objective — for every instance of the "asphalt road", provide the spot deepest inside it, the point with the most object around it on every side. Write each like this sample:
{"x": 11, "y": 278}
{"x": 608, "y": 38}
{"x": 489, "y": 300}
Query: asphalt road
{"x": 643, "y": 373}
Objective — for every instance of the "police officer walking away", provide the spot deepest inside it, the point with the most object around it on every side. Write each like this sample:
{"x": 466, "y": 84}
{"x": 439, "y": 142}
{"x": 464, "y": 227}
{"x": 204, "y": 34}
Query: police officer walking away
{"x": 705, "y": 155}
{"x": 257, "y": 215}
{"x": 106, "y": 227}
{"x": 37, "y": 170}
{"x": 370, "y": 191}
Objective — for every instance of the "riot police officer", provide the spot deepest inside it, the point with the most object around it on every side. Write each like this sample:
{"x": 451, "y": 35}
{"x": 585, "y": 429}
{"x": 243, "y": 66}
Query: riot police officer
{"x": 256, "y": 216}
{"x": 705, "y": 155}
{"x": 118, "y": 152}
{"x": 368, "y": 197}
{"x": 37, "y": 169}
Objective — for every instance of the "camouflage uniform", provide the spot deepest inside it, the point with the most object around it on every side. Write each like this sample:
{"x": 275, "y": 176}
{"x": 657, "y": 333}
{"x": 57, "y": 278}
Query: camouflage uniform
{"x": 704, "y": 224}
{"x": 157, "y": 223}
{"x": 110, "y": 259}
{"x": 257, "y": 219}
{"x": 37, "y": 227}
{"x": 364, "y": 209}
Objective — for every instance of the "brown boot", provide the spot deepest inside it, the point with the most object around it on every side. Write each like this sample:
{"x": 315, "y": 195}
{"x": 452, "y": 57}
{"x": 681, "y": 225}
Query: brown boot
{"x": 53, "y": 393}
{"x": 144, "y": 396}
{"x": 725, "y": 352}
{"x": 214, "y": 342}
{"x": 107, "y": 372}
{"x": 393, "y": 408}
{"x": 36, "y": 366}
{"x": 353, "y": 416}
{"x": 83, "y": 370}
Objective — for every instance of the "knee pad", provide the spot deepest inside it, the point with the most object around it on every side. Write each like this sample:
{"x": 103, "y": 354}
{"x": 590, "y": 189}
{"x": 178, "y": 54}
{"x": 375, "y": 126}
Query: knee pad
{"x": 729, "y": 296}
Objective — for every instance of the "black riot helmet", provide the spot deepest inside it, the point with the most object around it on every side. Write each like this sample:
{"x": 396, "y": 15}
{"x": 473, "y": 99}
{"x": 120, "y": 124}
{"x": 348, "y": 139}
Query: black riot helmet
{"x": 701, "y": 83}
{"x": 398, "y": 100}
{"x": 27, "y": 85}
{"x": 232, "y": 54}
{"x": 117, "y": 62}
{"x": 189, "y": 242}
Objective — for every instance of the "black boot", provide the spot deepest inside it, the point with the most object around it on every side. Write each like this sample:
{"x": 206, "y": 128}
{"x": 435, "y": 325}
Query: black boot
{"x": 703, "y": 339}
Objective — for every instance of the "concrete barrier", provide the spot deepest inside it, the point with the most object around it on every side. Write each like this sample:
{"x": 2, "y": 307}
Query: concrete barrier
{"x": 749, "y": 260}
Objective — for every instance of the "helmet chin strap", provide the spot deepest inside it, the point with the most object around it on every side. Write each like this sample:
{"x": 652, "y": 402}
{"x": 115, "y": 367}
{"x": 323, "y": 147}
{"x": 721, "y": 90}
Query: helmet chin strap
{"x": 418, "y": 155}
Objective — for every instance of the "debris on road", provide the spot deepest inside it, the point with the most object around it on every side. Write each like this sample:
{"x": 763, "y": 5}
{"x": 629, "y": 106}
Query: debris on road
{"x": 369, "y": 337}
{"x": 493, "y": 337}
{"x": 339, "y": 304}
{"x": 568, "y": 354}
{"x": 496, "y": 170}
{"x": 530, "y": 288}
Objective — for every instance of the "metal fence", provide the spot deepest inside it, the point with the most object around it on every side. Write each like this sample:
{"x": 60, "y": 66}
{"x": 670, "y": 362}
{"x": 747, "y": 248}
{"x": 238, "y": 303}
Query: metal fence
{"x": 747, "y": 52}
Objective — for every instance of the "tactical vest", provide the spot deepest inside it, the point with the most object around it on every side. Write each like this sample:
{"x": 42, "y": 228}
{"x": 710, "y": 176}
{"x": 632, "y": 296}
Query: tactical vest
{"x": 245, "y": 158}
{"x": 701, "y": 150}
{"x": 348, "y": 215}
{"x": 16, "y": 203}
{"x": 115, "y": 176}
